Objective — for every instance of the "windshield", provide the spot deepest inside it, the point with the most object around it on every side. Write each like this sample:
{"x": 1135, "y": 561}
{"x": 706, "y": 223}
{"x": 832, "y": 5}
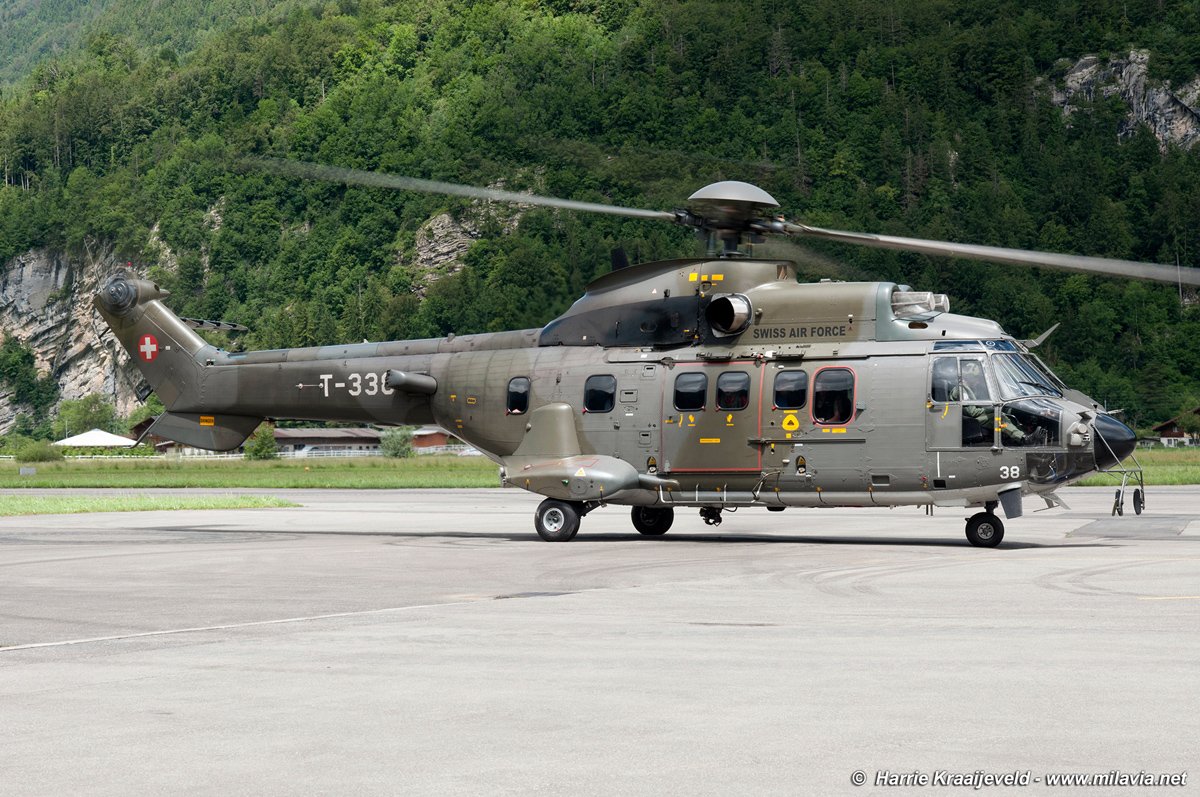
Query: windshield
{"x": 1045, "y": 369}
{"x": 1018, "y": 377}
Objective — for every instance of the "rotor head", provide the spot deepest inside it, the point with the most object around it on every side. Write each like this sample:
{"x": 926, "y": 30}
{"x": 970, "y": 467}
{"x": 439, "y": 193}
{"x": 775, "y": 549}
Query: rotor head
{"x": 730, "y": 204}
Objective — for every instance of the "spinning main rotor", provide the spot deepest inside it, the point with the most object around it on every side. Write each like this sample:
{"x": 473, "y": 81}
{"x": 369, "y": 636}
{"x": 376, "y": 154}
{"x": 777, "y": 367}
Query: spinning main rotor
{"x": 734, "y": 212}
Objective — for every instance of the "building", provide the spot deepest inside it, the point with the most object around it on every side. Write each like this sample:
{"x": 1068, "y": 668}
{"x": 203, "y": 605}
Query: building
{"x": 1172, "y": 434}
{"x": 431, "y": 436}
{"x": 96, "y": 438}
{"x": 328, "y": 442}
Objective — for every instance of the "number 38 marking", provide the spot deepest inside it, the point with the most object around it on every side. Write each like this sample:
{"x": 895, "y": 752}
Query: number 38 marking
{"x": 1010, "y": 473}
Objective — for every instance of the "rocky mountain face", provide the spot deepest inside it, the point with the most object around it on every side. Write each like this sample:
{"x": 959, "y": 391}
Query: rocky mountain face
{"x": 46, "y": 302}
{"x": 1172, "y": 113}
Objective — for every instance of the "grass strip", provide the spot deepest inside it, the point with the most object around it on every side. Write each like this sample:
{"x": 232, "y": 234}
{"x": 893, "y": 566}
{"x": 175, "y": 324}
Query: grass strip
{"x": 1160, "y": 466}
{"x": 74, "y": 504}
{"x": 366, "y": 472}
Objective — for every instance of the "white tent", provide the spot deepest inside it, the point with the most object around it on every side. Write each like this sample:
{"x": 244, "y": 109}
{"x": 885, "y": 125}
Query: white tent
{"x": 96, "y": 437}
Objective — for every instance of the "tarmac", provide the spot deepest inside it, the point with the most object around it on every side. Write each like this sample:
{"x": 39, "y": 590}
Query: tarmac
{"x": 427, "y": 642}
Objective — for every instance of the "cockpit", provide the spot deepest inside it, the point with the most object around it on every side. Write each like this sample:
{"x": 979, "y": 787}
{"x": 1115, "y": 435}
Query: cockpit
{"x": 1005, "y": 397}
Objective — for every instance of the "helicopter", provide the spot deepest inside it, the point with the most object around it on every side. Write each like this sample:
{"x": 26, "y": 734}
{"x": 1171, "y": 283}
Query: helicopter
{"x": 716, "y": 383}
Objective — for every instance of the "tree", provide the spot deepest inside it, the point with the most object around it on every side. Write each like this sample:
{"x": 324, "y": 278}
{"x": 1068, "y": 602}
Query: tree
{"x": 81, "y": 415}
{"x": 261, "y": 444}
{"x": 151, "y": 408}
{"x": 1189, "y": 423}
{"x": 397, "y": 443}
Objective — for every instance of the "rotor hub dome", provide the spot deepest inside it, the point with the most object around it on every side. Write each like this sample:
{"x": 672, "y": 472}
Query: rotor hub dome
{"x": 731, "y": 201}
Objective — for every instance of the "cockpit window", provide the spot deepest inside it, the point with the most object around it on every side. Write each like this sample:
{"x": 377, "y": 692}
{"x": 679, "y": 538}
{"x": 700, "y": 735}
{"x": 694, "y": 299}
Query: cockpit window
{"x": 1018, "y": 377}
{"x": 959, "y": 379}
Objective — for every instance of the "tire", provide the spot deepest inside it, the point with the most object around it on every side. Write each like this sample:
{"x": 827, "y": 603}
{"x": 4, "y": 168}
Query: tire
{"x": 556, "y": 521}
{"x": 1137, "y": 502}
{"x": 1119, "y": 505}
{"x": 653, "y": 521}
{"x": 985, "y": 530}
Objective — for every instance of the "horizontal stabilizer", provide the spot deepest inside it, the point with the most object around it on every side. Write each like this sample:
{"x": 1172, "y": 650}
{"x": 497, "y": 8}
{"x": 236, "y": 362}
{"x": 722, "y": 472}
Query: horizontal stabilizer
{"x": 211, "y": 432}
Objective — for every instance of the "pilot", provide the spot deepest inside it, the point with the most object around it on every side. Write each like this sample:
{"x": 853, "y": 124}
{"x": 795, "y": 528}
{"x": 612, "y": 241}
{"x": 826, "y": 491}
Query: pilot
{"x": 974, "y": 388}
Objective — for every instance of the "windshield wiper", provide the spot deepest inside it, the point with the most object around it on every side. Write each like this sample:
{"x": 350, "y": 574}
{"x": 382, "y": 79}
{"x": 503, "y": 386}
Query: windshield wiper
{"x": 1041, "y": 385}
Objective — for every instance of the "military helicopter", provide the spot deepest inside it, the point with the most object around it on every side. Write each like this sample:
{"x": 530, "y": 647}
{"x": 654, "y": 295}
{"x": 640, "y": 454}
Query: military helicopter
{"x": 716, "y": 382}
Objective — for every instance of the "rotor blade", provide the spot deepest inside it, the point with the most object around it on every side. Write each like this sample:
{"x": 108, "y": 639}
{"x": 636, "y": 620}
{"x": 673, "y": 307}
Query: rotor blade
{"x": 340, "y": 174}
{"x": 996, "y": 254}
{"x": 811, "y": 261}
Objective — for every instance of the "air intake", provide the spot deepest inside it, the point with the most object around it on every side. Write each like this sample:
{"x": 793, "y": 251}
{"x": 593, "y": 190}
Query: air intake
{"x": 906, "y": 304}
{"x": 728, "y": 314}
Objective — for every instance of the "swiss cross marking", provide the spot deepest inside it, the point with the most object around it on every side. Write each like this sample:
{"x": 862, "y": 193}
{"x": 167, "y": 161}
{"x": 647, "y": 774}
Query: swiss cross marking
{"x": 148, "y": 348}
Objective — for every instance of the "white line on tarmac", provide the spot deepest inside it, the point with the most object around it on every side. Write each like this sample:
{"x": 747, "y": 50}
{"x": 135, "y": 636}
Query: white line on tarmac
{"x": 229, "y": 626}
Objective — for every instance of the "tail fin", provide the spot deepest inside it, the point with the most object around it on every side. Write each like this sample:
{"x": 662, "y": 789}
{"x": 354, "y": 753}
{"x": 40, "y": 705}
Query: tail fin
{"x": 172, "y": 359}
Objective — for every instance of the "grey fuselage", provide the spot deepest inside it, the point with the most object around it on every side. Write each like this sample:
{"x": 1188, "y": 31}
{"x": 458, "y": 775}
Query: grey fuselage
{"x": 892, "y": 439}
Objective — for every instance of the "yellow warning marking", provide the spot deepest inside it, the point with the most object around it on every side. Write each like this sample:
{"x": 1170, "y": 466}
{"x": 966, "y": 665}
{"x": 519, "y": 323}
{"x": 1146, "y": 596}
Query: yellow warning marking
{"x": 452, "y": 397}
{"x": 470, "y": 401}
{"x": 718, "y": 277}
{"x": 945, "y": 410}
{"x": 580, "y": 472}
{"x": 693, "y": 277}
{"x": 710, "y": 439}
{"x": 824, "y": 431}
{"x": 208, "y": 420}
{"x": 789, "y": 435}
{"x": 791, "y": 423}
{"x": 839, "y": 431}
{"x": 729, "y": 420}
{"x": 691, "y": 420}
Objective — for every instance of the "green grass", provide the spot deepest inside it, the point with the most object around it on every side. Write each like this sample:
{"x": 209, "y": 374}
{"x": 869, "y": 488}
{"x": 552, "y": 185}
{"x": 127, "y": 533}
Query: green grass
{"x": 365, "y": 472}
{"x": 1161, "y": 466}
{"x": 73, "y": 504}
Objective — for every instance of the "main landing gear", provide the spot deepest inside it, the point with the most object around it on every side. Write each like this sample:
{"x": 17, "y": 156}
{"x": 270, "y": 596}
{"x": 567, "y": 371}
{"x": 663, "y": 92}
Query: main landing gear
{"x": 985, "y": 530}
{"x": 653, "y": 521}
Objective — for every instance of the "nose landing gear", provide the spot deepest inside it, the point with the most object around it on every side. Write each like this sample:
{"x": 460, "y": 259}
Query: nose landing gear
{"x": 985, "y": 530}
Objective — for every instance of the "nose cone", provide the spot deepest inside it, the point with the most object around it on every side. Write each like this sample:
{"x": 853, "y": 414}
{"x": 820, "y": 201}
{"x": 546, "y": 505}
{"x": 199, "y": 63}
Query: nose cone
{"x": 1118, "y": 441}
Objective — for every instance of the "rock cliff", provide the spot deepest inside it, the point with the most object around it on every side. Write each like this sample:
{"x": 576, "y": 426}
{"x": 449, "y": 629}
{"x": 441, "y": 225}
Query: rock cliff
{"x": 46, "y": 302}
{"x": 1172, "y": 113}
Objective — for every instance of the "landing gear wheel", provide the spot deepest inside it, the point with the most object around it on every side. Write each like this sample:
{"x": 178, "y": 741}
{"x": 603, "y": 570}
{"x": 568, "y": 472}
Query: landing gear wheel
{"x": 1137, "y": 502}
{"x": 556, "y": 521}
{"x": 1118, "y": 504}
{"x": 653, "y": 520}
{"x": 985, "y": 530}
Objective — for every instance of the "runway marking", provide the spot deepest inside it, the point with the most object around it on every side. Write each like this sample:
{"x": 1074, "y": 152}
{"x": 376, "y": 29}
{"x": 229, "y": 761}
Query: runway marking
{"x": 228, "y": 626}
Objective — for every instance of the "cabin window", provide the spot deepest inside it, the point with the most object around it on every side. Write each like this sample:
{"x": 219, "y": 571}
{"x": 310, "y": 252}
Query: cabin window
{"x": 833, "y": 396}
{"x": 733, "y": 390}
{"x": 690, "y": 390}
{"x": 791, "y": 390}
{"x": 518, "y": 395}
{"x": 600, "y": 393}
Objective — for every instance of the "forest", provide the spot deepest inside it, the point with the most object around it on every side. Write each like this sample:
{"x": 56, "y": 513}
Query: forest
{"x": 905, "y": 117}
